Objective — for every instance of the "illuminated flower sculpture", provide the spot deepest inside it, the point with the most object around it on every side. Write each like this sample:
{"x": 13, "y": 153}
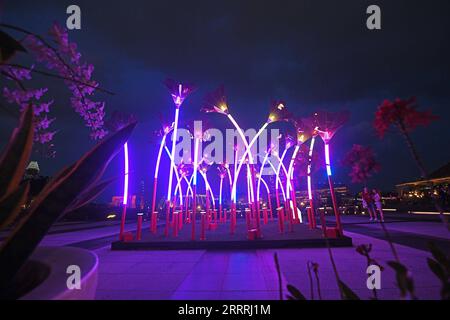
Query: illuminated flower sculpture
{"x": 278, "y": 112}
{"x": 303, "y": 133}
{"x": 216, "y": 102}
{"x": 223, "y": 171}
{"x": 165, "y": 130}
{"x": 326, "y": 124}
{"x": 305, "y": 164}
{"x": 179, "y": 92}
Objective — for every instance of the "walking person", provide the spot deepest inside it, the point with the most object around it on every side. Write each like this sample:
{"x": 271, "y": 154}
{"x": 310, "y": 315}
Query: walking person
{"x": 368, "y": 199}
{"x": 378, "y": 206}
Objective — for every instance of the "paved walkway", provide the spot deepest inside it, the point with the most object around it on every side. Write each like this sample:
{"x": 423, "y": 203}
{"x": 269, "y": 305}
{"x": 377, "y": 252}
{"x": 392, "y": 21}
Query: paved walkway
{"x": 251, "y": 274}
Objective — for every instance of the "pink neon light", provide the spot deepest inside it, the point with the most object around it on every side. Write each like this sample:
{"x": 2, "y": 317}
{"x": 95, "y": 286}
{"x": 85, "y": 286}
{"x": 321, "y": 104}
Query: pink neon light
{"x": 327, "y": 158}
{"x": 197, "y": 141}
{"x": 277, "y": 179}
{"x": 174, "y": 141}
{"x": 178, "y": 186}
{"x": 311, "y": 148}
{"x": 208, "y": 187}
{"x": 220, "y": 190}
{"x": 291, "y": 168}
{"x": 260, "y": 174}
{"x": 158, "y": 160}
{"x": 247, "y": 147}
{"x": 126, "y": 171}
{"x": 249, "y": 153}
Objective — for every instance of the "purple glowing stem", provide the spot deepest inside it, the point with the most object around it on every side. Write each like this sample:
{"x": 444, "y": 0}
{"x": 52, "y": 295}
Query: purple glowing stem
{"x": 281, "y": 166}
{"x": 174, "y": 168}
{"x": 174, "y": 141}
{"x": 260, "y": 174}
{"x": 220, "y": 190}
{"x": 267, "y": 187}
{"x": 327, "y": 159}
{"x": 229, "y": 177}
{"x": 125, "y": 190}
{"x": 208, "y": 187}
{"x": 158, "y": 160}
{"x": 197, "y": 143}
{"x": 247, "y": 147}
{"x": 189, "y": 188}
{"x": 311, "y": 148}
{"x": 278, "y": 180}
{"x": 249, "y": 153}
{"x": 291, "y": 167}
{"x": 126, "y": 171}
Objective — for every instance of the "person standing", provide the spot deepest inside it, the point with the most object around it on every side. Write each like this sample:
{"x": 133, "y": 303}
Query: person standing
{"x": 368, "y": 199}
{"x": 378, "y": 206}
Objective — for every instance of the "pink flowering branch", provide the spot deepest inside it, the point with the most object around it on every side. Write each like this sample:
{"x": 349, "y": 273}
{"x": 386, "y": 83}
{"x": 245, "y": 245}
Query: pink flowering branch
{"x": 66, "y": 61}
{"x": 362, "y": 162}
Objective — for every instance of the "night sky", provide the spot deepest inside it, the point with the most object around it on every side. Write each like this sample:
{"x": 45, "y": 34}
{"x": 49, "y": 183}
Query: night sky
{"x": 312, "y": 54}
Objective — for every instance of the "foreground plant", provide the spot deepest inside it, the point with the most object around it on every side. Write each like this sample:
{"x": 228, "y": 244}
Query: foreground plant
{"x": 62, "y": 61}
{"x": 73, "y": 186}
{"x": 440, "y": 266}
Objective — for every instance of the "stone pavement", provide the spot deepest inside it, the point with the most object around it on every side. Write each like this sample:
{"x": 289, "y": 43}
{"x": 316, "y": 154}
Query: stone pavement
{"x": 201, "y": 274}
{"x": 251, "y": 274}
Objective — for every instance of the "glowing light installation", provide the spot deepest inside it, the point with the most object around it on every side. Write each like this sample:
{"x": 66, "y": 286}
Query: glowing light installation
{"x": 165, "y": 131}
{"x": 179, "y": 92}
{"x": 125, "y": 189}
{"x": 197, "y": 137}
{"x": 309, "y": 181}
{"x": 278, "y": 112}
{"x": 326, "y": 124}
{"x": 287, "y": 198}
{"x": 303, "y": 134}
{"x": 216, "y": 102}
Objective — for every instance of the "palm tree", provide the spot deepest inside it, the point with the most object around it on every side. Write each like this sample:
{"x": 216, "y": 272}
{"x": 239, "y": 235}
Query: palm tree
{"x": 403, "y": 114}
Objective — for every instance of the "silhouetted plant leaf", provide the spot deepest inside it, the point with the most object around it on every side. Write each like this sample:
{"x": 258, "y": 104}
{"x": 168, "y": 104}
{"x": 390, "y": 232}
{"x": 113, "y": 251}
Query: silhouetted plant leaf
{"x": 439, "y": 256}
{"x": 8, "y": 46}
{"x": 295, "y": 293}
{"x": 348, "y": 293}
{"x": 48, "y": 207}
{"x": 15, "y": 157}
{"x": 277, "y": 266}
{"x": 89, "y": 195}
{"x": 437, "y": 269}
{"x": 405, "y": 281}
{"x": 11, "y": 203}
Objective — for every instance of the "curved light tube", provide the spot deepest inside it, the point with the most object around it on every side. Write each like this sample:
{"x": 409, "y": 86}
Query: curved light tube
{"x": 220, "y": 190}
{"x": 247, "y": 147}
{"x": 177, "y": 176}
{"x": 291, "y": 167}
{"x": 260, "y": 174}
{"x": 174, "y": 141}
{"x": 311, "y": 148}
{"x": 247, "y": 152}
{"x": 277, "y": 179}
{"x": 208, "y": 187}
{"x": 126, "y": 172}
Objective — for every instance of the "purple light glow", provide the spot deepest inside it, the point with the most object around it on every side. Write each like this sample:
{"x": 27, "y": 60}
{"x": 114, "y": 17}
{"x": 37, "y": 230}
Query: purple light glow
{"x": 327, "y": 159}
{"x": 174, "y": 141}
{"x": 278, "y": 180}
{"x": 126, "y": 171}
{"x": 311, "y": 148}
